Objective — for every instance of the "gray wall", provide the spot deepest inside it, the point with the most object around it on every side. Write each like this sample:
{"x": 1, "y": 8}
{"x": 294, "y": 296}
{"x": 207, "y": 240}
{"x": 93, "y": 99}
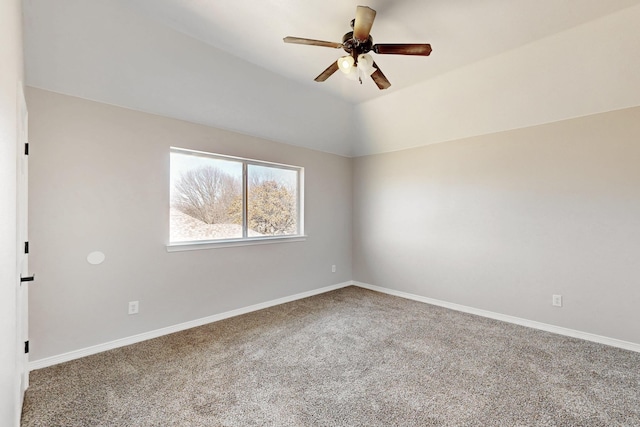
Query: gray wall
{"x": 501, "y": 222}
{"x": 498, "y": 222}
{"x": 11, "y": 75}
{"x": 99, "y": 178}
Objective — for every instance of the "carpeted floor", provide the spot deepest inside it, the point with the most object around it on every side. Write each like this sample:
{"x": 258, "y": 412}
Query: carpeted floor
{"x": 351, "y": 357}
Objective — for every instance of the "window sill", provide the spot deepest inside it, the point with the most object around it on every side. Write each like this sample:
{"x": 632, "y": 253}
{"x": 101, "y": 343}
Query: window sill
{"x": 209, "y": 244}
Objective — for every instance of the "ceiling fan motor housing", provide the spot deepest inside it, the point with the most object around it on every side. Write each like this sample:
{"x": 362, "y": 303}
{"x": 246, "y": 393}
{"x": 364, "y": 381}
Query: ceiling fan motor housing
{"x": 354, "y": 46}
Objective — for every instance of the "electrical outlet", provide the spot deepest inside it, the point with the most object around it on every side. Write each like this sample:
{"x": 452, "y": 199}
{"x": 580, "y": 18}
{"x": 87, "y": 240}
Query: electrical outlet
{"x": 557, "y": 301}
{"x": 333, "y": 268}
{"x": 133, "y": 307}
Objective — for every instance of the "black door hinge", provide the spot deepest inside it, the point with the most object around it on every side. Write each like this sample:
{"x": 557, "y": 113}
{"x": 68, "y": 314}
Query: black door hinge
{"x": 26, "y": 247}
{"x": 26, "y": 347}
{"x": 26, "y": 149}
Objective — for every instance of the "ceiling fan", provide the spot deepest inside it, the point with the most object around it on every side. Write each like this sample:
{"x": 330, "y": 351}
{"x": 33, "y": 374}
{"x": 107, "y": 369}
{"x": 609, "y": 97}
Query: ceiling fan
{"x": 358, "y": 43}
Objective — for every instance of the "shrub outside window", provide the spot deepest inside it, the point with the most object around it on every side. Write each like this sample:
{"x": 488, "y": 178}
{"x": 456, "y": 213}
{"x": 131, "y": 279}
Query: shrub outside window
{"x": 221, "y": 199}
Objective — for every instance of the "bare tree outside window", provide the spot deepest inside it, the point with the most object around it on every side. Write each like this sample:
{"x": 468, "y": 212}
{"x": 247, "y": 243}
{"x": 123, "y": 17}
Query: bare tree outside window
{"x": 206, "y": 193}
{"x": 202, "y": 188}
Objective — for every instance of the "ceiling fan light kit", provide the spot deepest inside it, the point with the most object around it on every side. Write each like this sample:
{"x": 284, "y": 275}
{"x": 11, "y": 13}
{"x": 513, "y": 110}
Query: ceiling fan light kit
{"x": 346, "y": 63}
{"x": 358, "y": 43}
{"x": 356, "y": 70}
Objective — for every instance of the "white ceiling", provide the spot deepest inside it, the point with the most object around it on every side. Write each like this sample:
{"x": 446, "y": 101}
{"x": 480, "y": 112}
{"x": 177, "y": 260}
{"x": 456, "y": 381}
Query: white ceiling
{"x": 224, "y": 64}
{"x": 460, "y": 32}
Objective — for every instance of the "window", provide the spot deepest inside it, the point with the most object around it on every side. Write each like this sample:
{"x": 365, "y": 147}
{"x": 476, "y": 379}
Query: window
{"x": 222, "y": 200}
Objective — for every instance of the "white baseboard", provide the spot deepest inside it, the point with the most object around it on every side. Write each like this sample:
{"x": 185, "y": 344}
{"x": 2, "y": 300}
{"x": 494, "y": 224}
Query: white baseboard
{"x": 505, "y": 318}
{"x": 76, "y": 354}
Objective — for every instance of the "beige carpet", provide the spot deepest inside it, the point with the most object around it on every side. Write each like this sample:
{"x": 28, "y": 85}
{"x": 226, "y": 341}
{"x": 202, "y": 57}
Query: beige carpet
{"x": 351, "y": 357}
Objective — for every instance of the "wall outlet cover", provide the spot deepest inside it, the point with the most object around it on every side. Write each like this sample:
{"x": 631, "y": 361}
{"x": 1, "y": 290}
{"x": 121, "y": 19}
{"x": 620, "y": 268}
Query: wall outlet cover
{"x": 133, "y": 307}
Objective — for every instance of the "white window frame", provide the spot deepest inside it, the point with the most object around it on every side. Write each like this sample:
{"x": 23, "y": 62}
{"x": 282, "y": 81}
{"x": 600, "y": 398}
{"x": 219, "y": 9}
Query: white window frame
{"x": 245, "y": 240}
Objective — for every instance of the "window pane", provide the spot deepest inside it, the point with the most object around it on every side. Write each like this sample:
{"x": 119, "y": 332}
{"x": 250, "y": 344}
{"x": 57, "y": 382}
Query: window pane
{"x": 272, "y": 201}
{"x": 206, "y": 198}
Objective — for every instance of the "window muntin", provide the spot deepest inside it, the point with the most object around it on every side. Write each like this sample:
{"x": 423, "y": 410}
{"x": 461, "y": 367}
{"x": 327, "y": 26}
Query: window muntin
{"x": 218, "y": 199}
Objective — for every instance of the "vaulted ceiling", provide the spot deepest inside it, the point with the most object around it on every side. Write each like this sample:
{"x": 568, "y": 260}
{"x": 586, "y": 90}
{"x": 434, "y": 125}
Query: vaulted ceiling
{"x": 495, "y": 65}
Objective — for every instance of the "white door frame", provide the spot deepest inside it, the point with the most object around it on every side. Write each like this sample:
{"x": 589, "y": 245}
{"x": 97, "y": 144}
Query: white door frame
{"x": 22, "y": 300}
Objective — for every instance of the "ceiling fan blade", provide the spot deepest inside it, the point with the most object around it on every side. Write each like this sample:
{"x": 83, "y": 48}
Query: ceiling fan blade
{"x": 402, "y": 49}
{"x": 379, "y": 78}
{"x": 363, "y": 23}
{"x": 311, "y": 42}
{"x": 328, "y": 72}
